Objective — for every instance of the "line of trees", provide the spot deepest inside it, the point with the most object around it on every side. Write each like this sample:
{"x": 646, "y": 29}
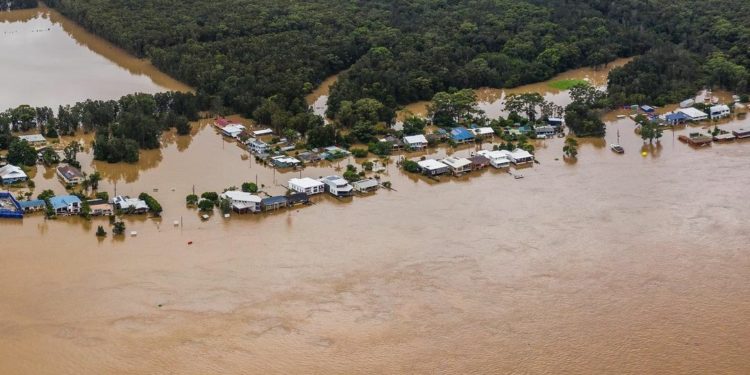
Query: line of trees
{"x": 122, "y": 127}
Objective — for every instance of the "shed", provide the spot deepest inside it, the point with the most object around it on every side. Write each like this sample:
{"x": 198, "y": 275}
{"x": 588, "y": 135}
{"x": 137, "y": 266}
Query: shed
{"x": 647, "y": 108}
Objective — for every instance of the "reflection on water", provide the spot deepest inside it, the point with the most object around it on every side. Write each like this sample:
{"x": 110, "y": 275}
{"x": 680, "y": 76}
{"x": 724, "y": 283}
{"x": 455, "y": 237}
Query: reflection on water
{"x": 48, "y": 60}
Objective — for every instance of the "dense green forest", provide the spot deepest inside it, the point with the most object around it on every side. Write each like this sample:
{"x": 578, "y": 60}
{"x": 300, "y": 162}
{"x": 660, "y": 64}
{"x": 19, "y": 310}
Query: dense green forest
{"x": 18, "y": 4}
{"x": 260, "y": 57}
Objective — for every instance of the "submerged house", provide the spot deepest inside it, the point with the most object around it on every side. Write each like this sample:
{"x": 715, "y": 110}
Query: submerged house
{"x": 520, "y": 156}
{"x": 306, "y": 185}
{"x": 35, "y": 140}
{"x": 130, "y": 205}
{"x": 366, "y": 185}
{"x": 693, "y": 114}
{"x": 242, "y": 202}
{"x": 461, "y": 135}
{"x": 457, "y": 166}
{"x": 337, "y": 186}
{"x": 283, "y": 161}
{"x": 10, "y": 174}
{"x": 479, "y": 162}
{"x": 557, "y": 122}
{"x": 274, "y": 203}
{"x": 676, "y": 118}
{"x": 482, "y": 132}
{"x": 415, "y": 142}
{"x": 100, "y": 207}
{"x": 258, "y": 147}
{"x": 720, "y": 111}
{"x": 66, "y": 205}
{"x": 33, "y": 206}
{"x": 545, "y": 131}
{"x": 432, "y": 167}
{"x": 498, "y": 159}
{"x": 232, "y": 130}
{"x": 69, "y": 175}
{"x": 308, "y": 157}
{"x": 297, "y": 198}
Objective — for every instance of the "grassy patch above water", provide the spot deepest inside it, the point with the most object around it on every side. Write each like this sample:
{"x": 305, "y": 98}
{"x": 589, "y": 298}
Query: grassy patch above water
{"x": 566, "y": 84}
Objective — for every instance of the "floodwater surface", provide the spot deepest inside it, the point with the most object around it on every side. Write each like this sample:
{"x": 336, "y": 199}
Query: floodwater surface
{"x": 48, "y": 61}
{"x": 623, "y": 264}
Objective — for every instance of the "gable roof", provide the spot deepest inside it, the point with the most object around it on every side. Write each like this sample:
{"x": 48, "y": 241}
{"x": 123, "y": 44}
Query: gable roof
{"x": 69, "y": 172}
{"x": 419, "y": 138}
{"x": 11, "y": 171}
{"x": 692, "y": 112}
{"x": 242, "y": 196}
{"x": 32, "y": 138}
{"x": 461, "y": 134}
{"x": 305, "y": 182}
{"x": 456, "y": 162}
{"x": 63, "y": 201}
{"x": 274, "y": 200}
{"x": 431, "y": 164}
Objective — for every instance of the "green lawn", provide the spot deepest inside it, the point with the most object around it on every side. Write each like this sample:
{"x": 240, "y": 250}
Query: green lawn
{"x": 565, "y": 84}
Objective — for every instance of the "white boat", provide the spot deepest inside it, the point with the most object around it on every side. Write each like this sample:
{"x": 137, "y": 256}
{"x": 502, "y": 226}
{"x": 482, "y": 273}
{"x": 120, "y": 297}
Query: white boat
{"x": 617, "y": 148}
{"x": 621, "y": 116}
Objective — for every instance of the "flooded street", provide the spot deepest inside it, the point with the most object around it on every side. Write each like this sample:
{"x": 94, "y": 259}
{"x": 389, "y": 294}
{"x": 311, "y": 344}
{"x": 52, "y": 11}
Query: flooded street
{"x": 48, "y": 61}
{"x": 623, "y": 264}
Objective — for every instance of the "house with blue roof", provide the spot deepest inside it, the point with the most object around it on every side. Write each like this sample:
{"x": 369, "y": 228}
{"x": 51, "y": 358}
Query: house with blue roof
{"x": 676, "y": 118}
{"x": 66, "y": 205}
{"x": 461, "y": 135}
{"x": 31, "y": 206}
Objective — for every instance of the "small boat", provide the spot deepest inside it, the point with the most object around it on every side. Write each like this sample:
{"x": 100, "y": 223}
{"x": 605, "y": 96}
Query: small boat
{"x": 617, "y": 149}
{"x": 616, "y": 146}
{"x": 621, "y": 116}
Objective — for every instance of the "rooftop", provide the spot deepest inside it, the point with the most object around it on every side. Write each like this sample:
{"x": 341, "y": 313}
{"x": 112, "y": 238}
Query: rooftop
{"x": 235, "y": 195}
{"x": 32, "y": 138}
{"x": 456, "y": 162}
{"x": 69, "y": 172}
{"x": 431, "y": 164}
{"x": 305, "y": 182}
{"x": 419, "y": 138}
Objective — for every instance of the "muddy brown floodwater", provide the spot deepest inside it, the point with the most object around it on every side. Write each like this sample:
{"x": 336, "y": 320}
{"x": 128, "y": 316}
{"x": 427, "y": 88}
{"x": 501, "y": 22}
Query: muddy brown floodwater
{"x": 617, "y": 264}
{"x": 48, "y": 60}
